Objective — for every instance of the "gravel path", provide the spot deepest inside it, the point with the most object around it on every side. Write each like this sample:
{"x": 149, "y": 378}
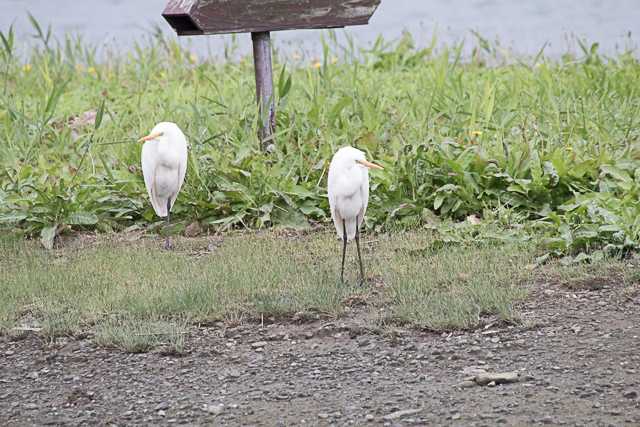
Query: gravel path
{"x": 576, "y": 353}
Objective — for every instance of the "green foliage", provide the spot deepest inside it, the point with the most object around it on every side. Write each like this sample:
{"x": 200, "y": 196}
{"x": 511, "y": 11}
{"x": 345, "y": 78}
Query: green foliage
{"x": 554, "y": 142}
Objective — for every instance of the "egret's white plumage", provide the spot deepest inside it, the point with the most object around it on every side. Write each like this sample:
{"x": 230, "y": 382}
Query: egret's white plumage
{"x": 348, "y": 191}
{"x": 348, "y": 188}
{"x": 164, "y": 165}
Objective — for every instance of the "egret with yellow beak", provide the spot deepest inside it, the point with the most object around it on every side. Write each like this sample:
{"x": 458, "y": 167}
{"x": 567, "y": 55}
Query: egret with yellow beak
{"x": 348, "y": 188}
{"x": 164, "y": 165}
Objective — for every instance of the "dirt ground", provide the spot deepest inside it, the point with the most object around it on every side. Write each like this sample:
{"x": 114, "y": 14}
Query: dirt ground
{"x": 576, "y": 352}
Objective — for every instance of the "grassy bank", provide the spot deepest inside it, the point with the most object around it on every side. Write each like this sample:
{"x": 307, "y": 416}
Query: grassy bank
{"x": 113, "y": 285}
{"x": 126, "y": 292}
{"x": 537, "y": 148}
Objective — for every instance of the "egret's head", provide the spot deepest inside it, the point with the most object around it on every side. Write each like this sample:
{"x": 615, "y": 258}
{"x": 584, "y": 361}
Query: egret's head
{"x": 163, "y": 131}
{"x": 350, "y": 157}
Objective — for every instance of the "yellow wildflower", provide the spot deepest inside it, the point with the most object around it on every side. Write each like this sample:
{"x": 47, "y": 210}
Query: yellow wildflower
{"x": 26, "y": 68}
{"x": 91, "y": 71}
{"x": 193, "y": 58}
{"x": 316, "y": 64}
{"x": 334, "y": 60}
{"x": 476, "y": 133}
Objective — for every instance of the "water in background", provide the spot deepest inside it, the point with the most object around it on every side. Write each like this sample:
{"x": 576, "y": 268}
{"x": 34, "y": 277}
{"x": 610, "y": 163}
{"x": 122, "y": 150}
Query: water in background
{"x": 522, "y": 26}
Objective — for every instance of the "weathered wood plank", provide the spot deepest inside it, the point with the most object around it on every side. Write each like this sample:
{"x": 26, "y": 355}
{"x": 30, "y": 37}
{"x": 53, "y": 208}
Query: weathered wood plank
{"x": 191, "y": 17}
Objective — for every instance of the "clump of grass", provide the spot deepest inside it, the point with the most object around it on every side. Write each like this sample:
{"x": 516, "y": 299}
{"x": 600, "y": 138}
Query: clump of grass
{"x": 592, "y": 276}
{"x": 59, "y": 321}
{"x": 455, "y": 288}
{"x": 139, "y": 336}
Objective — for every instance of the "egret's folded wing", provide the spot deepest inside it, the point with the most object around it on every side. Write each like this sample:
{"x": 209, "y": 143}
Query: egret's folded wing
{"x": 182, "y": 169}
{"x": 364, "y": 193}
{"x": 148, "y": 171}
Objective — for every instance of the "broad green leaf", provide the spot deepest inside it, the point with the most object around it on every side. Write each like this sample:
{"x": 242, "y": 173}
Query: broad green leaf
{"x": 437, "y": 202}
{"x": 99, "y": 115}
{"x": 12, "y": 218}
{"x": 616, "y": 173}
{"x": 82, "y": 218}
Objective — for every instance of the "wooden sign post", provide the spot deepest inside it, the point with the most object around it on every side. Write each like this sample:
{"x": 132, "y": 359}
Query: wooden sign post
{"x": 259, "y": 17}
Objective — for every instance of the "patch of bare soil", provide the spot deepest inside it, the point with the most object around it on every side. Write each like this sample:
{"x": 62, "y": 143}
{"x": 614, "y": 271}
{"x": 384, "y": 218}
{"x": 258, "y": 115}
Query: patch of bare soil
{"x": 573, "y": 361}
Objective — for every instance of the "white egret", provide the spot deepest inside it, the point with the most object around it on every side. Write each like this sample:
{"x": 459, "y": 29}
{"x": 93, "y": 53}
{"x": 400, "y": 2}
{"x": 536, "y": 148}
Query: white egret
{"x": 348, "y": 188}
{"x": 164, "y": 164}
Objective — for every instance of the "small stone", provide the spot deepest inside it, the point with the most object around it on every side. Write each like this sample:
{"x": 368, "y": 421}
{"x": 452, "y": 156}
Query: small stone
{"x": 473, "y": 371}
{"x": 456, "y": 416}
{"x": 497, "y": 378}
{"x": 323, "y": 416}
{"x": 630, "y": 394}
{"x": 363, "y": 342}
{"x": 369, "y": 418}
{"x": 162, "y": 406}
{"x": 399, "y": 414}
{"x": 475, "y": 349}
{"x": 466, "y": 384}
{"x": 161, "y": 413}
{"x": 258, "y": 344}
{"x": 215, "y": 409}
{"x": 30, "y": 406}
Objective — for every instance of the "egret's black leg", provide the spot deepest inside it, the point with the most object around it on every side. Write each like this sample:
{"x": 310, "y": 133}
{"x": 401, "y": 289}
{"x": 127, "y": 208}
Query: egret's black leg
{"x": 167, "y": 241}
{"x": 344, "y": 248}
{"x": 359, "y": 257}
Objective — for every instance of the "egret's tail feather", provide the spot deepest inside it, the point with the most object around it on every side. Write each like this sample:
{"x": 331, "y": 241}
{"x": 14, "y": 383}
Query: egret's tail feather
{"x": 160, "y": 206}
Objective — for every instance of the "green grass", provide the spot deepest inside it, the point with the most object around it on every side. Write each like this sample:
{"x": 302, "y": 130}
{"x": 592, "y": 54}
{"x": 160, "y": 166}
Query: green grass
{"x": 553, "y": 144}
{"x": 138, "y": 336}
{"x": 253, "y": 277}
{"x": 456, "y": 287}
{"x": 135, "y": 296}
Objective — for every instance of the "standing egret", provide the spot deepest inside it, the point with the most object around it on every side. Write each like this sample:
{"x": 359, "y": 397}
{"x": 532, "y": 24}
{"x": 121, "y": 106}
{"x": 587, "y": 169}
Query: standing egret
{"x": 164, "y": 164}
{"x": 348, "y": 196}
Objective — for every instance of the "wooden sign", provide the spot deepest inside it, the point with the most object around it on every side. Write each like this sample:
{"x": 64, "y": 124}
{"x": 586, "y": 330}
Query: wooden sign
{"x": 259, "y": 17}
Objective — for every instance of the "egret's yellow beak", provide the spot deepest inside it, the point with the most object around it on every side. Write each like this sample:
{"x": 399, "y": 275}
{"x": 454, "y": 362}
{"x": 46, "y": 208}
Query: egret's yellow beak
{"x": 369, "y": 164}
{"x": 150, "y": 137}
